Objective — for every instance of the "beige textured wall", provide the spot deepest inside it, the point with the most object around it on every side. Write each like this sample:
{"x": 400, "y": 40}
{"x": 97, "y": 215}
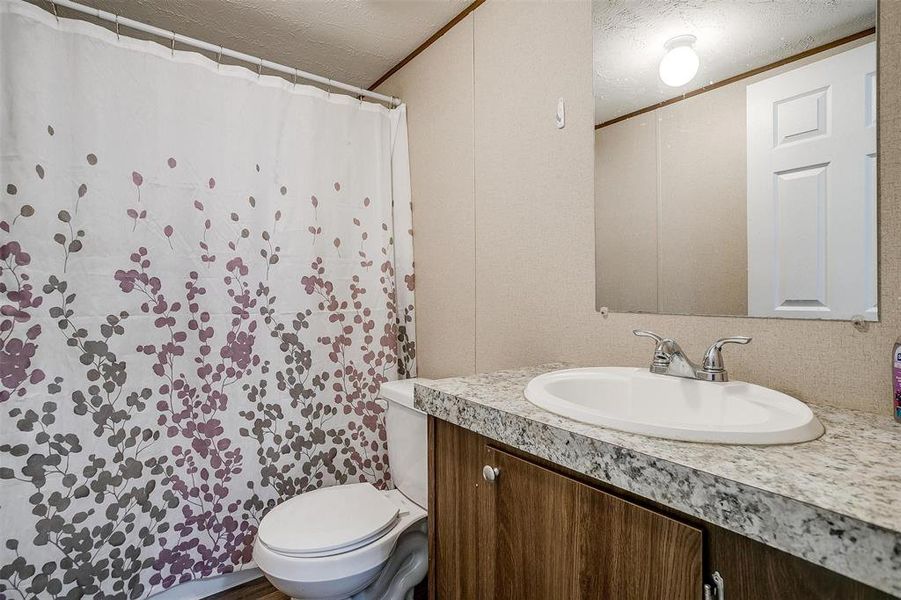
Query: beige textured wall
{"x": 703, "y": 204}
{"x": 661, "y": 179}
{"x": 625, "y": 194}
{"x": 438, "y": 89}
{"x": 534, "y": 222}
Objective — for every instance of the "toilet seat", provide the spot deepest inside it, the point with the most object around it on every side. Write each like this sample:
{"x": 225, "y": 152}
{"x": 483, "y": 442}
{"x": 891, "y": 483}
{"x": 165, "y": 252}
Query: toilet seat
{"x": 328, "y": 521}
{"x": 344, "y": 562}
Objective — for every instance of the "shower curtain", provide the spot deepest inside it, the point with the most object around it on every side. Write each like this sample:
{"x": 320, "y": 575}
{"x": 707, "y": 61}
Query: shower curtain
{"x": 206, "y": 275}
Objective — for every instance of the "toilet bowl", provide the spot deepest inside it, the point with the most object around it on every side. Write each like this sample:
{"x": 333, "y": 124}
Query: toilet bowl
{"x": 353, "y": 540}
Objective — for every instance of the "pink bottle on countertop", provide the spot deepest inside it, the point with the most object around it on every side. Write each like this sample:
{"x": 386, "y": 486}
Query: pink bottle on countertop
{"x": 896, "y": 379}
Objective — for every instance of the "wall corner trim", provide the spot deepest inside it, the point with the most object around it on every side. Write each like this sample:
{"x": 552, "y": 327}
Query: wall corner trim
{"x": 460, "y": 16}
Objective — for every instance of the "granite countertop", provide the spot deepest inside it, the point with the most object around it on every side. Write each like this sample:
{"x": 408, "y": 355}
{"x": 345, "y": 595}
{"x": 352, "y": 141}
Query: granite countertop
{"x": 835, "y": 501}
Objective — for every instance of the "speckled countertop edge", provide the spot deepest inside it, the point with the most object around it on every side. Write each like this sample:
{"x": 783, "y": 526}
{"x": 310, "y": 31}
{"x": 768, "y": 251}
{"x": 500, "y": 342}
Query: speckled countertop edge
{"x": 834, "y": 501}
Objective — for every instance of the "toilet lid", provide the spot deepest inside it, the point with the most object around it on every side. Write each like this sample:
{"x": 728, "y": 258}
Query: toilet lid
{"x": 328, "y": 520}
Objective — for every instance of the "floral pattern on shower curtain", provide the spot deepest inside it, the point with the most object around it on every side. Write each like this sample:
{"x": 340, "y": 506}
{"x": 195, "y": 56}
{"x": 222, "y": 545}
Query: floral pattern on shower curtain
{"x": 205, "y": 276}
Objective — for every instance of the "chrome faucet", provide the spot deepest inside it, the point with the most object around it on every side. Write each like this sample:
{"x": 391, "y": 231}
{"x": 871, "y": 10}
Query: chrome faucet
{"x": 670, "y": 360}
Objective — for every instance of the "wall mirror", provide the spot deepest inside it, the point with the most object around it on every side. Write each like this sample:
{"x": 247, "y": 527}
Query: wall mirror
{"x": 735, "y": 157}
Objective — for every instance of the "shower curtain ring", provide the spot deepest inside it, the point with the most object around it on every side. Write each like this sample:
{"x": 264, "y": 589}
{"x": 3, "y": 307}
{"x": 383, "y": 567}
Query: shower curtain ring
{"x": 295, "y": 77}
{"x": 53, "y": 6}
{"x": 219, "y": 58}
{"x": 260, "y": 68}
{"x": 117, "y": 29}
{"x": 173, "y": 43}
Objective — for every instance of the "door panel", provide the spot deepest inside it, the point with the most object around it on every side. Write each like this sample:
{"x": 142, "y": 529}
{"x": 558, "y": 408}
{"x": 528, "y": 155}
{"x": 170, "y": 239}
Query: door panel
{"x": 801, "y": 118}
{"x": 558, "y": 538}
{"x": 800, "y": 232}
{"x": 457, "y": 569}
{"x": 534, "y": 521}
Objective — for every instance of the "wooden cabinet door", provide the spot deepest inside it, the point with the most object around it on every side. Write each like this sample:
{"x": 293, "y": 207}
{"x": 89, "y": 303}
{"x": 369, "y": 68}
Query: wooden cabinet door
{"x": 457, "y": 563}
{"x": 548, "y": 536}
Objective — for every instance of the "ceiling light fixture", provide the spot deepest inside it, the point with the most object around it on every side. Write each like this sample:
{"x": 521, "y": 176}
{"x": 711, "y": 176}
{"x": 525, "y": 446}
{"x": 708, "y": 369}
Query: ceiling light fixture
{"x": 680, "y": 63}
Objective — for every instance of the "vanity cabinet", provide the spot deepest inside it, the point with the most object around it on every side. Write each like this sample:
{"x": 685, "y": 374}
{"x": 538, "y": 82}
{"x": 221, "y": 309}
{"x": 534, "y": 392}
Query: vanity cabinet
{"x": 534, "y": 533}
{"x": 549, "y": 536}
{"x": 505, "y": 524}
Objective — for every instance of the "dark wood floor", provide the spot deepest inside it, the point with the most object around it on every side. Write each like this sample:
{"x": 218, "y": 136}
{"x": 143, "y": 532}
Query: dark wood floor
{"x": 256, "y": 589}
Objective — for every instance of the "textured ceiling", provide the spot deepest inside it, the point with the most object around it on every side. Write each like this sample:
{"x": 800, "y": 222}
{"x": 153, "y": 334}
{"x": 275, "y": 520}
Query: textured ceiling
{"x": 354, "y": 41}
{"x": 734, "y": 36}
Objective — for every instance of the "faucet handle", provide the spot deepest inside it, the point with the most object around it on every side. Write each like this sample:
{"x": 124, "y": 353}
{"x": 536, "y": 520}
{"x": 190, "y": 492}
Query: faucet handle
{"x": 648, "y": 334}
{"x": 663, "y": 350}
{"x": 713, "y": 368}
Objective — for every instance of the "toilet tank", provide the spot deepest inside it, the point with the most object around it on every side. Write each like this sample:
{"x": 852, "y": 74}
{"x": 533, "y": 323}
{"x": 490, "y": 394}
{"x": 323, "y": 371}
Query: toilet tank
{"x": 407, "y": 440}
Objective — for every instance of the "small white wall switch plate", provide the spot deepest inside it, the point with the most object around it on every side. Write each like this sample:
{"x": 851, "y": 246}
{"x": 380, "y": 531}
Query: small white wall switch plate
{"x": 560, "y": 120}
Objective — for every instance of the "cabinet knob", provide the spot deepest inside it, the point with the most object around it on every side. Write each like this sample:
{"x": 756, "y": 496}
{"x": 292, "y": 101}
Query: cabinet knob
{"x": 490, "y": 473}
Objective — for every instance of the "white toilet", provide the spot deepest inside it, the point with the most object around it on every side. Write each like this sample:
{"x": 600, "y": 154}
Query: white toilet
{"x": 352, "y": 540}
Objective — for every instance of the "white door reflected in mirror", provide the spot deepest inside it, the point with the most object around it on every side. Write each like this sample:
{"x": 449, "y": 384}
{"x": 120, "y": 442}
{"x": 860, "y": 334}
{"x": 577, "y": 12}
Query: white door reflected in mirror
{"x": 812, "y": 190}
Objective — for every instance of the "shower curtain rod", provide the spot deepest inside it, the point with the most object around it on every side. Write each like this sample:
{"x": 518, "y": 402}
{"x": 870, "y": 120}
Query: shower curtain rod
{"x": 220, "y": 51}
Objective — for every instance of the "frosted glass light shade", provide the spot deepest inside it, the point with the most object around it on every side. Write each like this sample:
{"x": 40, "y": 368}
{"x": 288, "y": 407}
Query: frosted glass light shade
{"x": 680, "y": 64}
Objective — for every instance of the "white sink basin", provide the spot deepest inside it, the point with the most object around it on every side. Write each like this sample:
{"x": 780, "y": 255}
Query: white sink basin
{"x": 638, "y": 401}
